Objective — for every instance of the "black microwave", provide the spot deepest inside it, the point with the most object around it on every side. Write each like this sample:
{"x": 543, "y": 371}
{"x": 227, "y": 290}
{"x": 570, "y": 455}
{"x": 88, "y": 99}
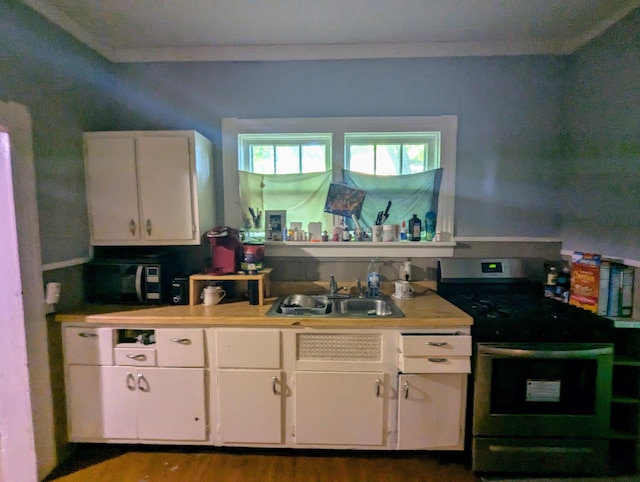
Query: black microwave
{"x": 127, "y": 281}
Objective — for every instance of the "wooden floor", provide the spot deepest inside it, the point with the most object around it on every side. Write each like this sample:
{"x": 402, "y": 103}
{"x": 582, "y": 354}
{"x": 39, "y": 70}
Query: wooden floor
{"x": 100, "y": 463}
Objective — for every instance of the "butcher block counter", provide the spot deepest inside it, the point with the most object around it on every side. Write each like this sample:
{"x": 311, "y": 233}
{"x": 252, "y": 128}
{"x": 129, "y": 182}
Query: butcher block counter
{"x": 229, "y": 375}
{"x": 423, "y": 310}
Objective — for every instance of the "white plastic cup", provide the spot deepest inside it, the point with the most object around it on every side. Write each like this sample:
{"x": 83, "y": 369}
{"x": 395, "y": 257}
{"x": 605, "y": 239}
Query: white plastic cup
{"x": 376, "y": 233}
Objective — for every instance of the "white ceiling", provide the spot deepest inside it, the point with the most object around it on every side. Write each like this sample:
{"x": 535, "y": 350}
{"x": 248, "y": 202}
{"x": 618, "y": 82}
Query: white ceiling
{"x": 210, "y": 30}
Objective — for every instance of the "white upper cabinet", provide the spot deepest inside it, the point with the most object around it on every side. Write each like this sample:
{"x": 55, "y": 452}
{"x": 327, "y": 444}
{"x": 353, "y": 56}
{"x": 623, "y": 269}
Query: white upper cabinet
{"x": 148, "y": 187}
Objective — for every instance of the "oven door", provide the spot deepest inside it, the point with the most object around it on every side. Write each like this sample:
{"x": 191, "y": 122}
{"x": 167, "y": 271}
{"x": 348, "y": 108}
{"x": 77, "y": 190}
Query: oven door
{"x": 542, "y": 390}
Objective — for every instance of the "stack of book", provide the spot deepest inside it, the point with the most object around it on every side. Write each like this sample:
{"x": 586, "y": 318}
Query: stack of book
{"x": 616, "y": 288}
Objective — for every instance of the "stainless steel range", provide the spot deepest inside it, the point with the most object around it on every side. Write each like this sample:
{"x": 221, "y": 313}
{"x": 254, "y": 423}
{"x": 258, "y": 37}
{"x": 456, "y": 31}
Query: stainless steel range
{"x": 542, "y": 370}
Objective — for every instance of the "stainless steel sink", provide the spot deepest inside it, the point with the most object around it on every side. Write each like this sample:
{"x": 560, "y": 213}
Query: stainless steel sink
{"x": 363, "y": 307}
{"x": 322, "y": 306}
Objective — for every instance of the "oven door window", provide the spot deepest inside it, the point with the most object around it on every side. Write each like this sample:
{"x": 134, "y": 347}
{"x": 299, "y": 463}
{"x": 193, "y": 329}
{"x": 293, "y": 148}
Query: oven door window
{"x": 543, "y": 386}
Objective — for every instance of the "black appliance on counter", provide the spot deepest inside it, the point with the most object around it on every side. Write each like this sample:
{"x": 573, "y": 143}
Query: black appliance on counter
{"x": 542, "y": 370}
{"x": 129, "y": 277}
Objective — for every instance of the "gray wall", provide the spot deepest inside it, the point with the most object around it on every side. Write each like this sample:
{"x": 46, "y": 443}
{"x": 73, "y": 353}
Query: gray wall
{"x": 66, "y": 87}
{"x": 508, "y": 111}
{"x": 601, "y": 177}
{"x": 519, "y": 168}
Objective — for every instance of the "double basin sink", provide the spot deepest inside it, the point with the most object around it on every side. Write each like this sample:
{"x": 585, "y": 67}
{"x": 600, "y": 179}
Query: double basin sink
{"x": 337, "y": 307}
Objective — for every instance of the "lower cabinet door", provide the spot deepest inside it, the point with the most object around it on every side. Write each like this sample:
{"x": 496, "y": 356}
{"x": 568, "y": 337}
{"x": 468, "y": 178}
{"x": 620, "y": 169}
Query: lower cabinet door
{"x": 100, "y": 406}
{"x": 431, "y": 411}
{"x": 171, "y": 404}
{"x": 339, "y": 408}
{"x": 250, "y": 406}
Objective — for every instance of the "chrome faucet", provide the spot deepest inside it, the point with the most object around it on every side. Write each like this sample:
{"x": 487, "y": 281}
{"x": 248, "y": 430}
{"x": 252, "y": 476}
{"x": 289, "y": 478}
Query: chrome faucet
{"x": 333, "y": 287}
{"x": 361, "y": 290}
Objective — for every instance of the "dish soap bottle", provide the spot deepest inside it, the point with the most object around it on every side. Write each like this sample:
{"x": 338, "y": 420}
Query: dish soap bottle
{"x": 430, "y": 226}
{"x": 415, "y": 228}
{"x": 373, "y": 279}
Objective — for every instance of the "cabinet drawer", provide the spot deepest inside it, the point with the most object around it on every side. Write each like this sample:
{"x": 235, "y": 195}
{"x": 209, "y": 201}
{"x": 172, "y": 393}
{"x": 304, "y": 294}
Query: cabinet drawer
{"x": 135, "y": 356}
{"x": 435, "y": 364}
{"x": 440, "y": 345}
{"x": 180, "y": 347}
{"x": 248, "y": 349}
{"x": 88, "y": 346}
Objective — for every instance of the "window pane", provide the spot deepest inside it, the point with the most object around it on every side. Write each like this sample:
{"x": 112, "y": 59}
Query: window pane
{"x": 361, "y": 158}
{"x": 387, "y": 159}
{"x": 313, "y": 159}
{"x": 262, "y": 159}
{"x": 413, "y": 158}
{"x": 287, "y": 160}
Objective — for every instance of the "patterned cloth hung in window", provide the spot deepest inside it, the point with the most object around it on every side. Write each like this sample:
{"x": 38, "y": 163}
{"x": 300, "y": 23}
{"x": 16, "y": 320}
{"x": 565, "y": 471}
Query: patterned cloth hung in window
{"x": 302, "y": 196}
{"x": 410, "y": 194}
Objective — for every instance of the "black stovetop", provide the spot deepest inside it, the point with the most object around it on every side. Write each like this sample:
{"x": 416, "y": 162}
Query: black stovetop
{"x": 530, "y": 318}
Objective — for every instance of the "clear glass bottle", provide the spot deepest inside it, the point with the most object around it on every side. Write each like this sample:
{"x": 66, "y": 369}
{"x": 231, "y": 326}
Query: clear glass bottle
{"x": 373, "y": 279}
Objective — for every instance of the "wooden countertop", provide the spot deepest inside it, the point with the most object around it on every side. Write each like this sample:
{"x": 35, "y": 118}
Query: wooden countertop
{"x": 425, "y": 310}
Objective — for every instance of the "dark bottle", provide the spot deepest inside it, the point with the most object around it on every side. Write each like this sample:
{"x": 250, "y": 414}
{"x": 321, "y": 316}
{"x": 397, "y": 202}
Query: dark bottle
{"x": 415, "y": 228}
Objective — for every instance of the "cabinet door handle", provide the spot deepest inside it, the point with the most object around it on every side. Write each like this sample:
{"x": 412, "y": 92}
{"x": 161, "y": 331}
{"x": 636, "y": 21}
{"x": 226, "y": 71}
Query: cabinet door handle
{"x": 131, "y": 382}
{"x": 87, "y": 335}
{"x": 377, "y": 387}
{"x": 274, "y": 385}
{"x": 138, "y": 357}
{"x": 436, "y": 343}
{"x": 182, "y": 341}
{"x": 406, "y": 390}
{"x": 149, "y": 227}
{"x": 437, "y": 360}
{"x": 143, "y": 383}
{"x": 132, "y": 227}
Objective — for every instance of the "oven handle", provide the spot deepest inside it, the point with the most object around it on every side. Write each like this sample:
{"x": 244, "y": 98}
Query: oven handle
{"x": 587, "y": 352}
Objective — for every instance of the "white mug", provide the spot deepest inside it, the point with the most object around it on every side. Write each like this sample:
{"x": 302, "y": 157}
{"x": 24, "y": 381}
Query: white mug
{"x": 404, "y": 290}
{"x": 212, "y": 295}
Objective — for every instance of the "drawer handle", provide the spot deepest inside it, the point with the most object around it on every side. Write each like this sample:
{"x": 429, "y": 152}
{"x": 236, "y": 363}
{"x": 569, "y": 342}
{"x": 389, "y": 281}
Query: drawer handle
{"x": 182, "y": 341}
{"x": 406, "y": 390}
{"x": 138, "y": 357}
{"x": 377, "y": 388}
{"x": 143, "y": 384}
{"x": 87, "y": 335}
{"x": 274, "y": 385}
{"x": 131, "y": 381}
{"x": 132, "y": 227}
{"x": 149, "y": 227}
{"x": 437, "y": 360}
{"x": 436, "y": 343}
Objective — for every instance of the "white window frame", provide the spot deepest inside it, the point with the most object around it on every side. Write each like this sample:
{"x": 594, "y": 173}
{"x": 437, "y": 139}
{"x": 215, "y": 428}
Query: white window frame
{"x": 447, "y": 125}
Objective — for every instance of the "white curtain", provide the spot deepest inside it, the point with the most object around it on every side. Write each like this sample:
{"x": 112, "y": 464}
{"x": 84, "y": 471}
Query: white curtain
{"x": 302, "y": 196}
{"x": 410, "y": 194}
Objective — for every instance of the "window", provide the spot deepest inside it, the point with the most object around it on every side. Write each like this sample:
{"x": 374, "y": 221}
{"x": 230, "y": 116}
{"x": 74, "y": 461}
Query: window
{"x": 392, "y": 153}
{"x": 288, "y": 164}
{"x": 284, "y": 153}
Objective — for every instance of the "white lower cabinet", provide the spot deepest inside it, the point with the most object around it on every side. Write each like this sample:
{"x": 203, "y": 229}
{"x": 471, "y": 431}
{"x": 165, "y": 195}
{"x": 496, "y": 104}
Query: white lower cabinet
{"x": 273, "y": 387}
{"x": 123, "y": 395}
{"x": 250, "y": 406}
{"x": 114, "y": 402}
{"x": 431, "y": 411}
{"x": 339, "y": 408}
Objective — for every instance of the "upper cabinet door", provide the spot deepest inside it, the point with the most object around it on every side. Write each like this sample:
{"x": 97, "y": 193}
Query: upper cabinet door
{"x": 112, "y": 191}
{"x": 166, "y": 195}
{"x": 149, "y": 187}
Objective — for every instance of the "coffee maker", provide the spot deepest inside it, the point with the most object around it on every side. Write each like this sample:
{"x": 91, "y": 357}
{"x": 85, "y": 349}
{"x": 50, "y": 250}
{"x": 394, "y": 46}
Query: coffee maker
{"x": 226, "y": 250}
